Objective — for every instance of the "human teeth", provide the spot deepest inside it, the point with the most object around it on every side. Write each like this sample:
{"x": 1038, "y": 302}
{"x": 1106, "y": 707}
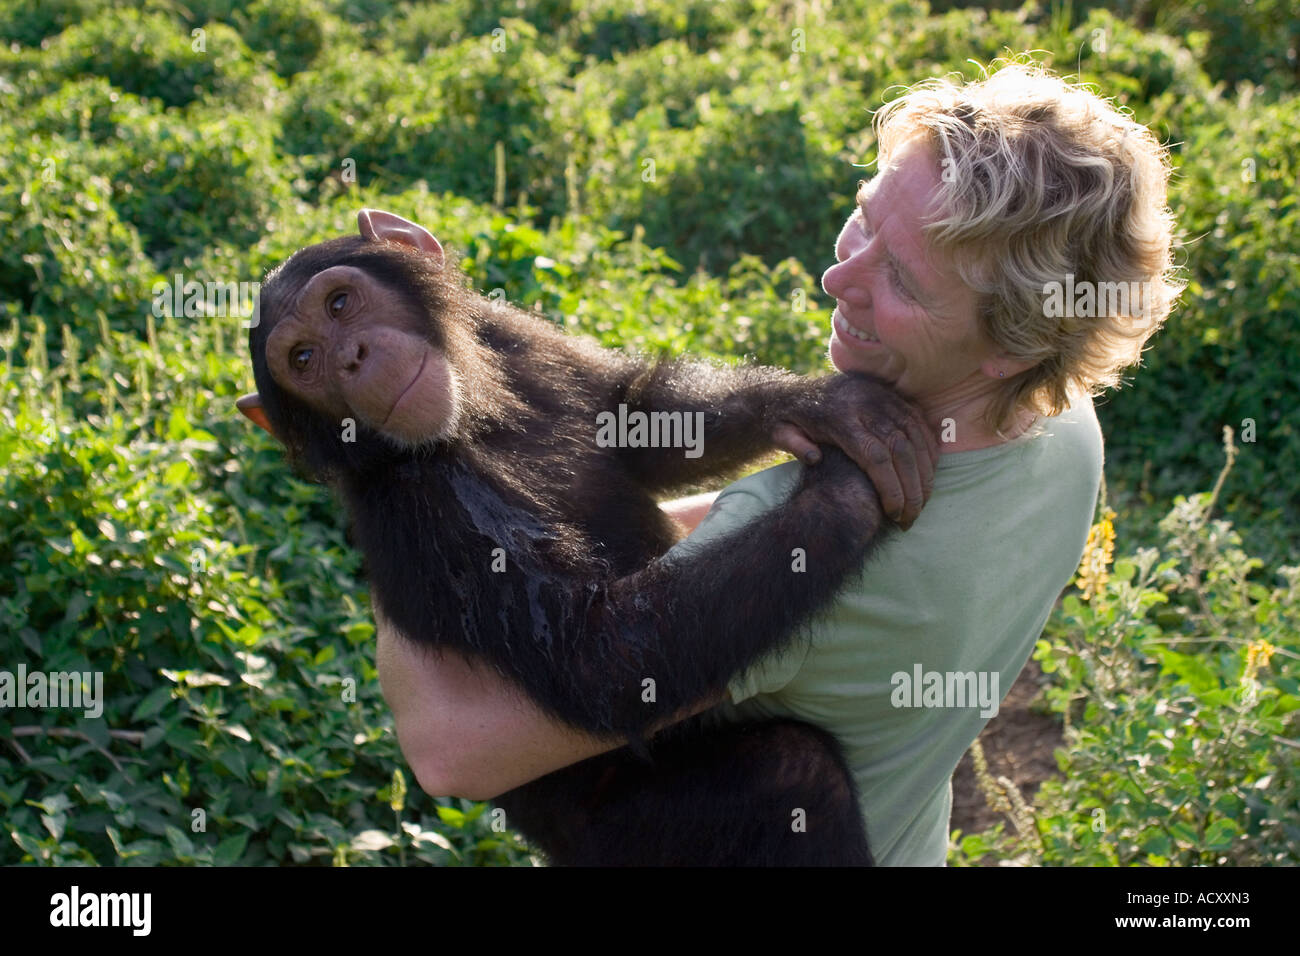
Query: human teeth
{"x": 845, "y": 327}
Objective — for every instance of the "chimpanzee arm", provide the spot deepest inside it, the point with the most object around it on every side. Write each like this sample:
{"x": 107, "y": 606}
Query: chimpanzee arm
{"x": 620, "y": 656}
{"x": 702, "y": 421}
{"x": 726, "y": 411}
{"x": 732, "y": 415}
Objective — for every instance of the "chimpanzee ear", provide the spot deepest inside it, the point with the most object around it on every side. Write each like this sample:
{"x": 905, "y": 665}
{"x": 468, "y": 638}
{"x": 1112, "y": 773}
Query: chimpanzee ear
{"x": 377, "y": 224}
{"x": 251, "y": 405}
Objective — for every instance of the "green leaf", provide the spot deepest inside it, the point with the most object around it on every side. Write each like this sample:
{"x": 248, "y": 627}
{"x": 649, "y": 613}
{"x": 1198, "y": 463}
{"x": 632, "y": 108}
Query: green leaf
{"x": 181, "y": 844}
{"x": 1220, "y": 834}
{"x": 230, "y": 850}
{"x": 152, "y": 704}
{"x": 178, "y": 473}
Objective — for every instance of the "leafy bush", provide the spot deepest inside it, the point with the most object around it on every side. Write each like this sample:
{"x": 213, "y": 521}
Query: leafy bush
{"x": 1176, "y": 672}
{"x": 28, "y": 22}
{"x": 150, "y": 54}
{"x": 441, "y": 121}
{"x": 239, "y": 694}
{"x": 1231, "y": 352}
{"x": 148, "y": 534}
{"x": 294, "y": 32}
{"x": 67, "y": 252}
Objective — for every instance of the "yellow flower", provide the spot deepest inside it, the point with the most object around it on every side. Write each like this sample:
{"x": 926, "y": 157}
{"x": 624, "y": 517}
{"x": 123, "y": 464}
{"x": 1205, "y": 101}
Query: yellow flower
{"x": 1258, "y": 654}
{"x": 397, "y": 799}
{"x": 1097, "y": 555}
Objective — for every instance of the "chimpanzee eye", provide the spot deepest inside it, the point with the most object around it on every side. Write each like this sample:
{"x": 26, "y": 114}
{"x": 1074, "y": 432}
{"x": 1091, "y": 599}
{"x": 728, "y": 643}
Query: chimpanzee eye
{"x": 300, "y": 357}
{"x": 337, "y": 303}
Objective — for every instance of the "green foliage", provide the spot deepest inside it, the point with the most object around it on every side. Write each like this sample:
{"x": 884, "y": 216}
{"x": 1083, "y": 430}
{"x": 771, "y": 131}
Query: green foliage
{"x": 605, "y": 28}
{"x": 67, "y": 251}
{"x": 1179, "y": 683}
{"x": 442, "y": 118}
{"x": 28, "y": 22}
{"x": 238, "y": 683}
{"x": 293, "y": 31}
{"x": 519, "y": 132}
{"x": 152, "y": 55}
{"x": 1254, "y": 41}
{"x": 1231, "y": 352}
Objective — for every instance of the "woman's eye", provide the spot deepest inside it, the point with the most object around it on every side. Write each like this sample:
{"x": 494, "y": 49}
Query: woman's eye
{"x": 300, "y": 358}
{"x": 337, "y": 303}
{"x": 898, "y": 285}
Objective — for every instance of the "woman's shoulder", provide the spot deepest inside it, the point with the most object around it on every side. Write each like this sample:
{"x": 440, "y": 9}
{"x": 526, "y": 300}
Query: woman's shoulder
{"x": 1074, "y": 435}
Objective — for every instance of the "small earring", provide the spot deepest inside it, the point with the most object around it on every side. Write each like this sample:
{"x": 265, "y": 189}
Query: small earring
{"x": 1002, "y": 374}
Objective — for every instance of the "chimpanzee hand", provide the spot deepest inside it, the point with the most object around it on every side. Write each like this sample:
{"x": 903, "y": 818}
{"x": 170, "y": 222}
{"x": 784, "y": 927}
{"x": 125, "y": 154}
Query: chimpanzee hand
{"x": 884, "y": 433}
{"x": 837, "y": 490}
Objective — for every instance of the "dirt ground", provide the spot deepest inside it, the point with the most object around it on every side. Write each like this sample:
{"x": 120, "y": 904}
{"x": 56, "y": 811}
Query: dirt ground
{"x": 1018, "y": 744}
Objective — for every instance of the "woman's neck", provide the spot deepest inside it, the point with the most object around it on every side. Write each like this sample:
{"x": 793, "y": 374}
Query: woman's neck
{"x": 961, "y": 426}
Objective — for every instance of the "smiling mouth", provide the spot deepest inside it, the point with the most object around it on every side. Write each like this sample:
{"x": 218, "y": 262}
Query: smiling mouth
{"x": 419, "y": 372}
{"x": 842, "y": 325}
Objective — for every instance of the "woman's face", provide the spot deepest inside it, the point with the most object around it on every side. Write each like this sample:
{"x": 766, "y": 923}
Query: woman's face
{"x": 901, "y": 311}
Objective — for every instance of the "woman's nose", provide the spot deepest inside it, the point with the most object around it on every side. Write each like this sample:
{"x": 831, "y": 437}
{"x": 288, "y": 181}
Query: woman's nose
{"x": 845, "y": 281}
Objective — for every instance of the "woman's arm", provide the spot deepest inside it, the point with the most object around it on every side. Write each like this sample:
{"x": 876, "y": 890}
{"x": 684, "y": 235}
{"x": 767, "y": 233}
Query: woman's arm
{"x": 689, "y": 512}
{"x": 464, "y": 730}
{"x": 468, "y": 732}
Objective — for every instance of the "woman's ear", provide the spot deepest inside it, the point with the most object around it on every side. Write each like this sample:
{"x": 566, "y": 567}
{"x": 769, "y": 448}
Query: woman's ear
{"x": 1003, "y": 367}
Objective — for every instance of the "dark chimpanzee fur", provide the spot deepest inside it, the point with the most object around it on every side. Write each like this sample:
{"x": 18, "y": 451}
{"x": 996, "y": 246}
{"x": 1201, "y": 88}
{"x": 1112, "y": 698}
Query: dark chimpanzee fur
{"x": 586, "y": 609}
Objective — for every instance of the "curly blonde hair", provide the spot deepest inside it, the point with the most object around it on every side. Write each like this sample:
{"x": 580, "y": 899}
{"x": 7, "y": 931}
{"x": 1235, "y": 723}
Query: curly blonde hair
{"x": 1045, "y": 186}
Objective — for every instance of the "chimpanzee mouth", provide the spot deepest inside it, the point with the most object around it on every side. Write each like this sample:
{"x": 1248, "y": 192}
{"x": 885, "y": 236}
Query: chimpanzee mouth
{"x": 423, "y": 362}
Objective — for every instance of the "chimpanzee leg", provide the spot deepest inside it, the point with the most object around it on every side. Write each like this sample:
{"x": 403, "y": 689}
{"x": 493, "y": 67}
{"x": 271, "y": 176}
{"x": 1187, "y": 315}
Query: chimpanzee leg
{"x": 770, "y": 793}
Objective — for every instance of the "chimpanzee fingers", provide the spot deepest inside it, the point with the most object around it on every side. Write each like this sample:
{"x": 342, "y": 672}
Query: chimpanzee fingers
{"x": 914, "y": 452}
{"x": 791, "y": 439}
{"x": 878, "y": 463}
{"x": 860, "y": 445}
{"x": 907, "y": 458}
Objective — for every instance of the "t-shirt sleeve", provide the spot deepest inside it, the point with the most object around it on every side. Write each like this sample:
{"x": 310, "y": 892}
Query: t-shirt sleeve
{"x": 737, "y": 505}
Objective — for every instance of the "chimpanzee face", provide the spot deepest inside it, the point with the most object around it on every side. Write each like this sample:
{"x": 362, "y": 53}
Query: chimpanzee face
{"x": 348, "y": 345}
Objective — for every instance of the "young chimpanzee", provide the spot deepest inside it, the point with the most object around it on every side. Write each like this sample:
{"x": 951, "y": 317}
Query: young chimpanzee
{"x": 462, "y": 436}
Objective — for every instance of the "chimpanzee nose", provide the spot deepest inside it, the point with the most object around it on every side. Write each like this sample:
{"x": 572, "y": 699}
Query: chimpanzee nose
{"x": 351, "y": 355}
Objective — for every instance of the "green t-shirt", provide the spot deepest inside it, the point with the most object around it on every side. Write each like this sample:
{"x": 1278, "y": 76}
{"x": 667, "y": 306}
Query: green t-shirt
{"x": 967, "y": 588}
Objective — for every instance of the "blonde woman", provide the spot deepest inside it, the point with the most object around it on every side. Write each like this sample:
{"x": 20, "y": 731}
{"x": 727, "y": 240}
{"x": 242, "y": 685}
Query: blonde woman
{"x": 1009, "y": 260}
